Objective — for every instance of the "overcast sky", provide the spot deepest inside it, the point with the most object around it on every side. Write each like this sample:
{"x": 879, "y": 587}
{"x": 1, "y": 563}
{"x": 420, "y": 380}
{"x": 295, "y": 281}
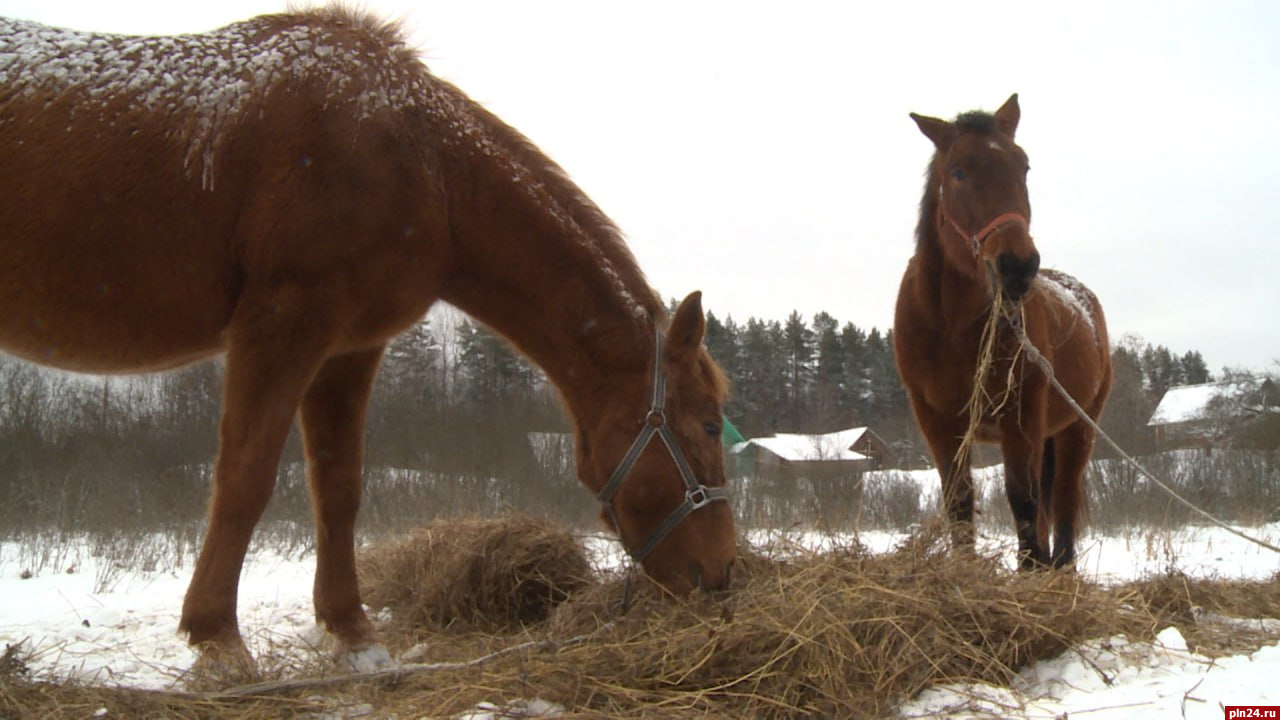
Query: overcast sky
{"x": 761, "y": 152}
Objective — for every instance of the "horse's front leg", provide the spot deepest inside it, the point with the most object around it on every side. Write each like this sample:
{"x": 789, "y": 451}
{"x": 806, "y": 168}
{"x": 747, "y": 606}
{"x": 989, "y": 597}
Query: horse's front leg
{"x": 944, "y": 433}
{"x": 267, "y": 369}
{"x": 333, "y": 413}
{"x": 1023, "y": 449}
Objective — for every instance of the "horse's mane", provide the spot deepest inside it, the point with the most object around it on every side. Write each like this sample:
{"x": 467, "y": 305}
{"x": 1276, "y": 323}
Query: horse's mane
{"x": 977, "y": 122}
{"x": 547, "y": 184}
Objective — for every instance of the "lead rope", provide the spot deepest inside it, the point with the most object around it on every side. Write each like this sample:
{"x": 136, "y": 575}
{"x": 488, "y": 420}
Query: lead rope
{"x": 1033, "y": 354}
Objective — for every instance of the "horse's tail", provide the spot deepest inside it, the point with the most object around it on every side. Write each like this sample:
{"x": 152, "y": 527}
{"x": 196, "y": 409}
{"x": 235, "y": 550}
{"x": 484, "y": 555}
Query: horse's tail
{"x": 1046, "y": 475}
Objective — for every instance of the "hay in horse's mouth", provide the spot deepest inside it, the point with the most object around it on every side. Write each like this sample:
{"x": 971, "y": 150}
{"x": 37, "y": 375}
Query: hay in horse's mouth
{"x": 981, "y": 404}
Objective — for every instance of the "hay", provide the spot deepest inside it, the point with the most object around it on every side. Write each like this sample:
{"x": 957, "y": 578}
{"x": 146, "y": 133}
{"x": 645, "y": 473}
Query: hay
{"x": 474, "y": 575}
{"x": 841, "y": 633}
{"x": 1210, "y": 613}
{"x": 981, "y": 404}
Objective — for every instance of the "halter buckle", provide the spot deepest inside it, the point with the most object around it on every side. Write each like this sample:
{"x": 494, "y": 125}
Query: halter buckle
{"x": 697, "y": 497}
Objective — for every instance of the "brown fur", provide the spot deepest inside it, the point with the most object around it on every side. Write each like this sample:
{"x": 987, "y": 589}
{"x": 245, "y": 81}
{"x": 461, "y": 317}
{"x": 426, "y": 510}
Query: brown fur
{"x": 306, "y": 230}
{"x": 944, "y": 303}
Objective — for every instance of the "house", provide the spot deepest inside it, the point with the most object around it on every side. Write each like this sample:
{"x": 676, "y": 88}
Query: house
{"x": 830, "y": 455}
{"x": 1242, "y": 412}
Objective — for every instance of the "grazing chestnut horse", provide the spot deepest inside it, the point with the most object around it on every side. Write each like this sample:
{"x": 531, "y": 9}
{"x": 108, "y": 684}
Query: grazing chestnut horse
{"x": 973, "y": 243}
{"x": 293, "y": 191}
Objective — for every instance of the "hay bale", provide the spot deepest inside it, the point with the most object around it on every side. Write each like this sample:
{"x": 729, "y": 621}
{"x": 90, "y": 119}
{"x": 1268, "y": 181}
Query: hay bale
{"x": 475, "y": 574}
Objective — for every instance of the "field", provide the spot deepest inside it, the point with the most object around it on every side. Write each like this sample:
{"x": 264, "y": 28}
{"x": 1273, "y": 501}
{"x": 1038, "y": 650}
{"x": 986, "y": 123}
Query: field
{"x": 867, "y": 621}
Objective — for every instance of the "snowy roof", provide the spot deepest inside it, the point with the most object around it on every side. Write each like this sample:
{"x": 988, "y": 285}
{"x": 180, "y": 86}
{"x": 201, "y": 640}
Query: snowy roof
{"x": 1188, "y": 403}
{"x": 543, "y": 441}
{"x": 808, "y": 448}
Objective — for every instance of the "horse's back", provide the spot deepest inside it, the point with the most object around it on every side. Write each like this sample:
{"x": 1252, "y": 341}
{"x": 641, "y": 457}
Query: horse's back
{"x": 146, "y": 181}
{"x": 1075, "y": 341}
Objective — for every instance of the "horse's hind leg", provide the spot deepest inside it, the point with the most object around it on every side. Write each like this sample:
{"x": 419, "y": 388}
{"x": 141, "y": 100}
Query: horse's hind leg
{"x": 1072, "y": 449}
{"x": 268, "y": 368}
{"x": 333, "y": 412}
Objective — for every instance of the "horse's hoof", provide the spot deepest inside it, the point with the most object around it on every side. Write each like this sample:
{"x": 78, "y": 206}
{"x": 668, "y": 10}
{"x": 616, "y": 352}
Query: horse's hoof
{"x": 369, "y": 658}
{"x": 220, "y": 666}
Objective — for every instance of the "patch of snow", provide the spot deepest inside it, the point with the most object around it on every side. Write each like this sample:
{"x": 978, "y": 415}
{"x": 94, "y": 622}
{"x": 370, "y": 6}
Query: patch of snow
{"x": 1071, "y": 294}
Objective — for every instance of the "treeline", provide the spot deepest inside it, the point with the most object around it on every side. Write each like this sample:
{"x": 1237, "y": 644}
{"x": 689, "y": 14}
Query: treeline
{"x": 808, "y": 377}
{"x": 451, "y": 418}
{"x": 792, "y": 376}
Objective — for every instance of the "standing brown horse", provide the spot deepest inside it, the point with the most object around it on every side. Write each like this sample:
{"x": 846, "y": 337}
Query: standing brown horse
{"x": 973, "y": 245}
{"x": 293, "y": 191}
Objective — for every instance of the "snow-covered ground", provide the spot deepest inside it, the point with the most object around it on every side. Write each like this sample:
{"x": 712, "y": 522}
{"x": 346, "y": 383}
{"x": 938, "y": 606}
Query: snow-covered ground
{"x": 117, "y": 625}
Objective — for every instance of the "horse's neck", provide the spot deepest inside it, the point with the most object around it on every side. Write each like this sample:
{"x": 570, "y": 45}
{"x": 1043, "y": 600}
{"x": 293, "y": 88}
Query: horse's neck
{"x": 954, "y": 299}
{"x": 534, "y": 260}
{"x": 578, "y": 336}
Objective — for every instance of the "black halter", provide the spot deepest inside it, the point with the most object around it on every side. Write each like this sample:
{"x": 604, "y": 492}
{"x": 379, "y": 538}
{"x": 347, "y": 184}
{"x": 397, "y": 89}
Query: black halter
{"x": 696, "y": 494}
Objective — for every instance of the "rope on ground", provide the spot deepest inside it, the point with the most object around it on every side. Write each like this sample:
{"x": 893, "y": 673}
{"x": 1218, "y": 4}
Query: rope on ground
{"x": 1033, "y": 354}
{"x": 400, "y": 672}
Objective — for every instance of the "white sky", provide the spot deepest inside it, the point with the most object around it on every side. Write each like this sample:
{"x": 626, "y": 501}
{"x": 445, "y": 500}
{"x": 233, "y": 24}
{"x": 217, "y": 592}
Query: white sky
{"x": 761, "y": 152}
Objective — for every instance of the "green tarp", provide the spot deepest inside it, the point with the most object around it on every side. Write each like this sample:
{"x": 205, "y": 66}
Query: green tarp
{"x": 729, "y": 434}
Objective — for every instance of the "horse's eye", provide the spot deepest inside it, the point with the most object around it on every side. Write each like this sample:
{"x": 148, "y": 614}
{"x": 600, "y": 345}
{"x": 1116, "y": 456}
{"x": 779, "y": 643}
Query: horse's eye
{"x": 712, "y": 429}
{"x": 957, "y": 174}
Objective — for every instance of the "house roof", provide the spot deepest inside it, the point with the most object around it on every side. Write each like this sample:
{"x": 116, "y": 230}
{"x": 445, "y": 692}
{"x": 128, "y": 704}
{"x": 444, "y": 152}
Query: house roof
{"x": 1189, "y": 403}
{"x": 808, "y": 448}
{"x": 546, "y": 441}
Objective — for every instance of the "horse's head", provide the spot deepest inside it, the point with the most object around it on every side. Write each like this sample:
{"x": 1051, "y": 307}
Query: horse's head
{"x": 978, "y": 180}
{"x": 654, "y": 459}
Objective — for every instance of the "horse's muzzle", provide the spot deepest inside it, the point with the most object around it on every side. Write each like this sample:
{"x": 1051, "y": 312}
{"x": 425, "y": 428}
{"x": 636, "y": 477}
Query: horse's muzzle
{"x": 711, "y": 579}
{"x": 1015, "y": 274}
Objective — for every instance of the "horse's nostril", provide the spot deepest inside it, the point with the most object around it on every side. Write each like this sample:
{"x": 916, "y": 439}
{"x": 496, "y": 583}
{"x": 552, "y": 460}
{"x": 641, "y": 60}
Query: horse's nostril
{"x": 1017, "y": 273}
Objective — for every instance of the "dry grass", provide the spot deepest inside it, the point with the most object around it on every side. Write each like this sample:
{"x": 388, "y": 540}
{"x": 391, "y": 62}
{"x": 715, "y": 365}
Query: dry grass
{"x": 842, "y": 633}
{"x": 494, "y": 576}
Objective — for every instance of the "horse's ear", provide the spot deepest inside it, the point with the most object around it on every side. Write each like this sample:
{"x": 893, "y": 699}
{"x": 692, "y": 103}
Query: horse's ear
{"x": 1008, "y": 114}
{"x": 684, "y": 336}
{"x": 940, "y": 132}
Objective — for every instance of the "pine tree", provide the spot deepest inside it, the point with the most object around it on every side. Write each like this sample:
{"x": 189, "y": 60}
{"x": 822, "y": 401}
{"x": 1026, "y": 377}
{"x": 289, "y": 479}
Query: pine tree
{"x": 857, "y": 381}
{"x": 409, "y": 366}
{"x": 1194, "y": 369}
{"x": 799, "y": 348}
{"x": 760, "y": 382}
{"x": 722, "y": 341}
{"x": 827, "y": 407}
{"x": 1162, "y": 370}
{"x": 494, "y": 373}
